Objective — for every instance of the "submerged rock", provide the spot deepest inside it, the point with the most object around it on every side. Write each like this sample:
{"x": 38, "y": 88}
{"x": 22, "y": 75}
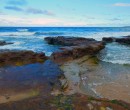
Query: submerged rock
{"x": 20, "y": 57}
{"x": 4, "y": 43}
{"x": 74, "y": 47}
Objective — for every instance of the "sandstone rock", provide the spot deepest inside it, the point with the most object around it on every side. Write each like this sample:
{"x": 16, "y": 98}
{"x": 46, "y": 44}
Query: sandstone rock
{"x": 72, "y": 41}
{"x": 20, "y": 57}
{"x": 74, "y": 48}
{"x": 76, "y": 52}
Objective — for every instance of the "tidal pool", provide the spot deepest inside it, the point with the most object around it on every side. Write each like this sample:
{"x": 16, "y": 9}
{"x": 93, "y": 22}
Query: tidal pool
{"x": 21, "y": 82}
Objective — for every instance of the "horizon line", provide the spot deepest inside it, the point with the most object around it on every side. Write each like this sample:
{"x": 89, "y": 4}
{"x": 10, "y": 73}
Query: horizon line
{"x": 66, "y": 26}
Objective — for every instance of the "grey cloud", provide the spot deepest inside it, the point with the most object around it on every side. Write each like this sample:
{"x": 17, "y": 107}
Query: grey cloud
{"x": 29, "y": 10}
{"x": 38, "y": 11}
{"x": 14, "y": 8}
{"x": 16, "y": 2}
{"x": 116, "y": 19}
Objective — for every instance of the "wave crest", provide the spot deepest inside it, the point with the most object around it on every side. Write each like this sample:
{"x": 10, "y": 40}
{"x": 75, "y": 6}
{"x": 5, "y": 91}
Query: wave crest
{"x": 17, "y": 33}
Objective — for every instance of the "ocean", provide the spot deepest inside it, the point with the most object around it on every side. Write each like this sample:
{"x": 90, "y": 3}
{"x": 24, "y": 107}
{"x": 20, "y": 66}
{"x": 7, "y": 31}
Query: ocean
{"x": 32, "y": 38}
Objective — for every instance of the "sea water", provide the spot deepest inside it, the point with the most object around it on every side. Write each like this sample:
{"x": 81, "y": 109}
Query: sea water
{"x": 32, "y": 38}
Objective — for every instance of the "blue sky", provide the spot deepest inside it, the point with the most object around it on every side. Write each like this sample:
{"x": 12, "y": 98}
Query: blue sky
{"x": 65, "y": 13}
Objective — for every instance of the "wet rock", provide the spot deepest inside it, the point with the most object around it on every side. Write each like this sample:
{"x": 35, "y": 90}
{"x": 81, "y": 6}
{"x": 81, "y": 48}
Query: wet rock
{"x": 61, "y": 102}
{"x": 20, "y": 57}
{"x": 76, "y": 52}
{"x": 74, "y": 48}
{"x": 108, "y": 39}
{"x": 72, "y": 41}
{"x": 64, "y": 84}
{"x": 125, "y": 40}
{"x": 4, "y": 43}
{"x": 127, "y": 36}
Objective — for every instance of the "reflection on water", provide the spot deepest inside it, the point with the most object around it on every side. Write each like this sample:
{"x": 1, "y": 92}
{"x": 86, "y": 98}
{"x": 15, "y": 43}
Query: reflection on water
{"x": 19, "y": 79}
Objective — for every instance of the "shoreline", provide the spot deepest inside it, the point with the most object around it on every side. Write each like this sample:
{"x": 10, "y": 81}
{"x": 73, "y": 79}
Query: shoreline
{"x": 93, "y": 83}
{"x": 62, "y": 81}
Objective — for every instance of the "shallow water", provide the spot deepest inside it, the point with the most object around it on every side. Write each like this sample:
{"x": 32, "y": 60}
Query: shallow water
{"x": 107, "y": 80}
{"x": 99, "y": 79}
{"x": 19, "y": 82}
{"x": 115, "y": 53}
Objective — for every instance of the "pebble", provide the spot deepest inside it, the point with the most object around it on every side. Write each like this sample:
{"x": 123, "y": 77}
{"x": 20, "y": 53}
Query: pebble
{"x": 90, "y": 106}
{"x": 108, "y": 108}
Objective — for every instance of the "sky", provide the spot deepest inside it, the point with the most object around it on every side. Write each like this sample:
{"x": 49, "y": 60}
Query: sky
{"x": 65, "y": 13}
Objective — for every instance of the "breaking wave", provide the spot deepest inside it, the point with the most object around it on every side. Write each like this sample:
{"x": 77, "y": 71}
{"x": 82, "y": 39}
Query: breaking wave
{"x": 16, "y": 33}
{"x": 115, "y": 53}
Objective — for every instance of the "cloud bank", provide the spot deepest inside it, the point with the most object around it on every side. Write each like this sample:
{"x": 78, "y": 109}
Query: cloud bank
{"x": 122, "y": 4}
{"x": 29, "y": 10}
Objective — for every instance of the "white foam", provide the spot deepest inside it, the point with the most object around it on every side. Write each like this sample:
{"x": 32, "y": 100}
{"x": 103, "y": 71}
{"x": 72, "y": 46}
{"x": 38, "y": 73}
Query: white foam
{"x": 18, "y": 43}
{"x": 122, "y": 62}
{"x": 99, "y": 35}
{"x": 116, "y": 53}
{"x": 16, "y": 33}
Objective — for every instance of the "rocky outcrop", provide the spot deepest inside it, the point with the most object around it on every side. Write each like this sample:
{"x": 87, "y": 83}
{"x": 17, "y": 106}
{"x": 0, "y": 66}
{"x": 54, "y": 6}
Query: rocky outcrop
{"x": 66, "y": 102}
{"x": 108, "y": 39}
{"x": 71, "y": 41}
{"x": 20, "y": 57}
{"x": 125, "y": 40}
{"x": 74, "y": 47}
{"x": 127, "y": 36}
{"x": 4, "y": 43}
